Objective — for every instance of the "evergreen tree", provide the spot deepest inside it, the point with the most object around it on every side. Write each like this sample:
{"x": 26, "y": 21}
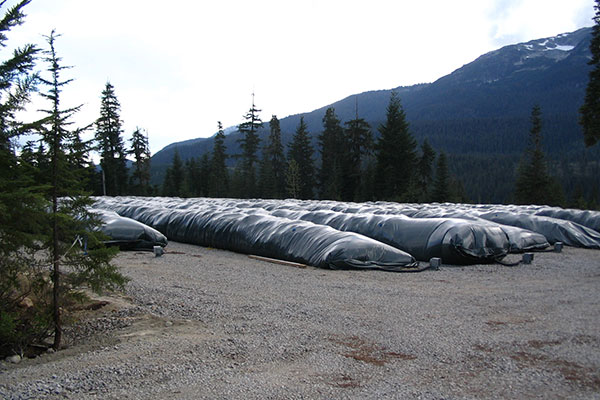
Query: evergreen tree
{"x": 110, "y": 143}
{"x": 331, "y": 148}
{"x": 265, "y": 179}
{"x": 273, "y": 165}
{"x": 292, "y": 179}
{"x": 300, "y": 151}
{"x": 396, "y": 154}
{"x": 356, "y": 144}
{"x": 173, "y": 185}
{"x": 457, "y": 191}
{"x": 69, "y": 218}
{"x": 192, "y": 179}
{"x": 205, "y": 167}
{"x": 367, "y": 190}
{"x": 140, "y": 149}
{"x": 219, "y": 181}
{"x": 534, "y": 185}
{"x": 22, "y": 205}
{"x": 590, "y": 111}
{"x": 237, "y": 183}
{"x": 441, "y": 187}
{"x": 425, "y": 171}
{"x": 249, "y": 144}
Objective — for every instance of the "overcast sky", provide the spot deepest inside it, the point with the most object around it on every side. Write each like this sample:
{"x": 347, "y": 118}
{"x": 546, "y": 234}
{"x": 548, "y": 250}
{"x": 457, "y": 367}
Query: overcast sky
{"x": 179, "y": 67}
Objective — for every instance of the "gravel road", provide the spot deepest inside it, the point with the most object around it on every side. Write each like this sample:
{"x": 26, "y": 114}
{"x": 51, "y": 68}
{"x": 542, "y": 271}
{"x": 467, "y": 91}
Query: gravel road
{"x": 205, "y": 323}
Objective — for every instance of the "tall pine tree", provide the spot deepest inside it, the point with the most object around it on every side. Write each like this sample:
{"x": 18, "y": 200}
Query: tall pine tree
{"x": 301, "y": 170}
{"x": 173, "y": 184}
{"x": 332, "y": 149}
{"x": 441, "y": 187}
{"x": 249, "y": 144}
{"x": 110, "y": 143}
{"x": 425, "y": 171}
{"x": 273, "y": 165}
{"x": 292, "y": 180}
{"x": 192, "y": 179}
{"x": 219, "y": 181}
{"x": 205, "y": 176}
{"x": 69, "y": 218}
{"x": 356, "y": 144}
{"x": 534, "y": 185}
{"x": 140, "y": 149}
{"x": 22, "y": 205}
{"x": 396, "y": 155}
{"x": 590, "y": 111}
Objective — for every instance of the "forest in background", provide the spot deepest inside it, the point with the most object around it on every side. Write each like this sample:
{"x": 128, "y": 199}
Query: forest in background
{"x": 479, "y": 116}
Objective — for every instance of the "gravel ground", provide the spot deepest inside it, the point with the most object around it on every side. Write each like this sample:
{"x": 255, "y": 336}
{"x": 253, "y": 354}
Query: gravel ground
{"x": 205, "y": 323}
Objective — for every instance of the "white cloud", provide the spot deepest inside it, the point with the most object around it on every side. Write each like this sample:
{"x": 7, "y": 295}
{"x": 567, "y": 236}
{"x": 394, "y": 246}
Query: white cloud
{"x": 516, "y": 20}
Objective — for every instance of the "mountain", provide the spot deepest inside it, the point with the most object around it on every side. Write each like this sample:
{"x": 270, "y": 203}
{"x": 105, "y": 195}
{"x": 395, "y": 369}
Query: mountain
{"x": 478, "y": 114}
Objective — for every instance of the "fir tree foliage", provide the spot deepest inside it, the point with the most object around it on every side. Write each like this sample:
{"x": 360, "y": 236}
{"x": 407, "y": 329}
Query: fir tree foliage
{"x": 173, "y": 184}
{"x": 425, "y": 171}
{"x": 590, "y": 111}
{"x": 301, "y": 183}
{"x": 237, "y": 183}
{"x": 534, "y": 185}
{"x": 192, "y": 179}
{"x": 203, "y": 182}
{"x": 250, "y": 143}
{"x": 42, "y": 212}
{"x": 110, "y": 143}
{"x": 22, "y": 203}
{"x": 140, "y": 149}
{"x": 219, "y": 177}
{"x": 69, "y": 218}
{"x": 396, "y": 154}
{"x": 441, "y": 187}
{"x": 293, "y": 179}
{"x": 273, "y": 165}
{"x": 357, "y": 144}
{"x": 331, "y": 149}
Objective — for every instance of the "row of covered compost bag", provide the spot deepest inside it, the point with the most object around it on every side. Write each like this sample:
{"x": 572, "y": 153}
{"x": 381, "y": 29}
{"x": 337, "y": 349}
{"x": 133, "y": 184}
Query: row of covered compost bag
{"x": 128, "y": 233}
{"x": 378, "y": 235}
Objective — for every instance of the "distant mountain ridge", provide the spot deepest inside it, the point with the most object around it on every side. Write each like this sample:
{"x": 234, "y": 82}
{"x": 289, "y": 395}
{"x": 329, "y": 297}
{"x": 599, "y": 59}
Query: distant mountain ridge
{"x": 481, "y": 108}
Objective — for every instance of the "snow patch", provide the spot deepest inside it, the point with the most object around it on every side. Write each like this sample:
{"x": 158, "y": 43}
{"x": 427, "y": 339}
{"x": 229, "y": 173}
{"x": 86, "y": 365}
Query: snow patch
{"x": 564, "y": 48}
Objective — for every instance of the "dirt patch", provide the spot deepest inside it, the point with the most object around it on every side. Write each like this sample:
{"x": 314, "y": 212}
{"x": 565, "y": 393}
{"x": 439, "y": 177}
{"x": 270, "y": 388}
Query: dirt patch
{"x": 371, "y": 353}
{"x": 571, "y": 371}
{"x": 538, "y": 344}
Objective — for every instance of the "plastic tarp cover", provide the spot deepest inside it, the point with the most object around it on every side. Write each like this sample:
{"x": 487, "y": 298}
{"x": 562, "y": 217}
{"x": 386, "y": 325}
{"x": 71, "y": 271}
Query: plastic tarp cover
{"x": 589, "y": 219}
{"x": 466, "y": 238}
{"x": 453, "y": 240}
{"x": 520, "y": 238}
{"x": 457, "y": 233}
{"x": 555, "y": 230}
{"x": 128, "y": 233}
{"x": 262, "y": 234}
{"x": 562, "y": 227}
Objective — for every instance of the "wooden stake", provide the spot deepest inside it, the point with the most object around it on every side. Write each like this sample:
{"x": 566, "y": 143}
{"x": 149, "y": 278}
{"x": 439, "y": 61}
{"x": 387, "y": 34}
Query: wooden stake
{"x": 276, "y": 261}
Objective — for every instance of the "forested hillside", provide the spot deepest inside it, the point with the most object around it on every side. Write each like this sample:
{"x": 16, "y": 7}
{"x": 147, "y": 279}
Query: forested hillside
{"x": 479, "y": 115}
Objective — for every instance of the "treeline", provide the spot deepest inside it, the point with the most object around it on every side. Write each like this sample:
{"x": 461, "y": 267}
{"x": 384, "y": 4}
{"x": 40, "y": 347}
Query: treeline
{"x": 116, "y": 174}
{"x": 352, "y": 166}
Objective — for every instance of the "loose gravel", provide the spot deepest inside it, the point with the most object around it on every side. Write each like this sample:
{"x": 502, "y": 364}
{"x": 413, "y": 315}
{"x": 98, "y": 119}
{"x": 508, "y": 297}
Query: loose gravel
{"x": 200, "y": 323}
